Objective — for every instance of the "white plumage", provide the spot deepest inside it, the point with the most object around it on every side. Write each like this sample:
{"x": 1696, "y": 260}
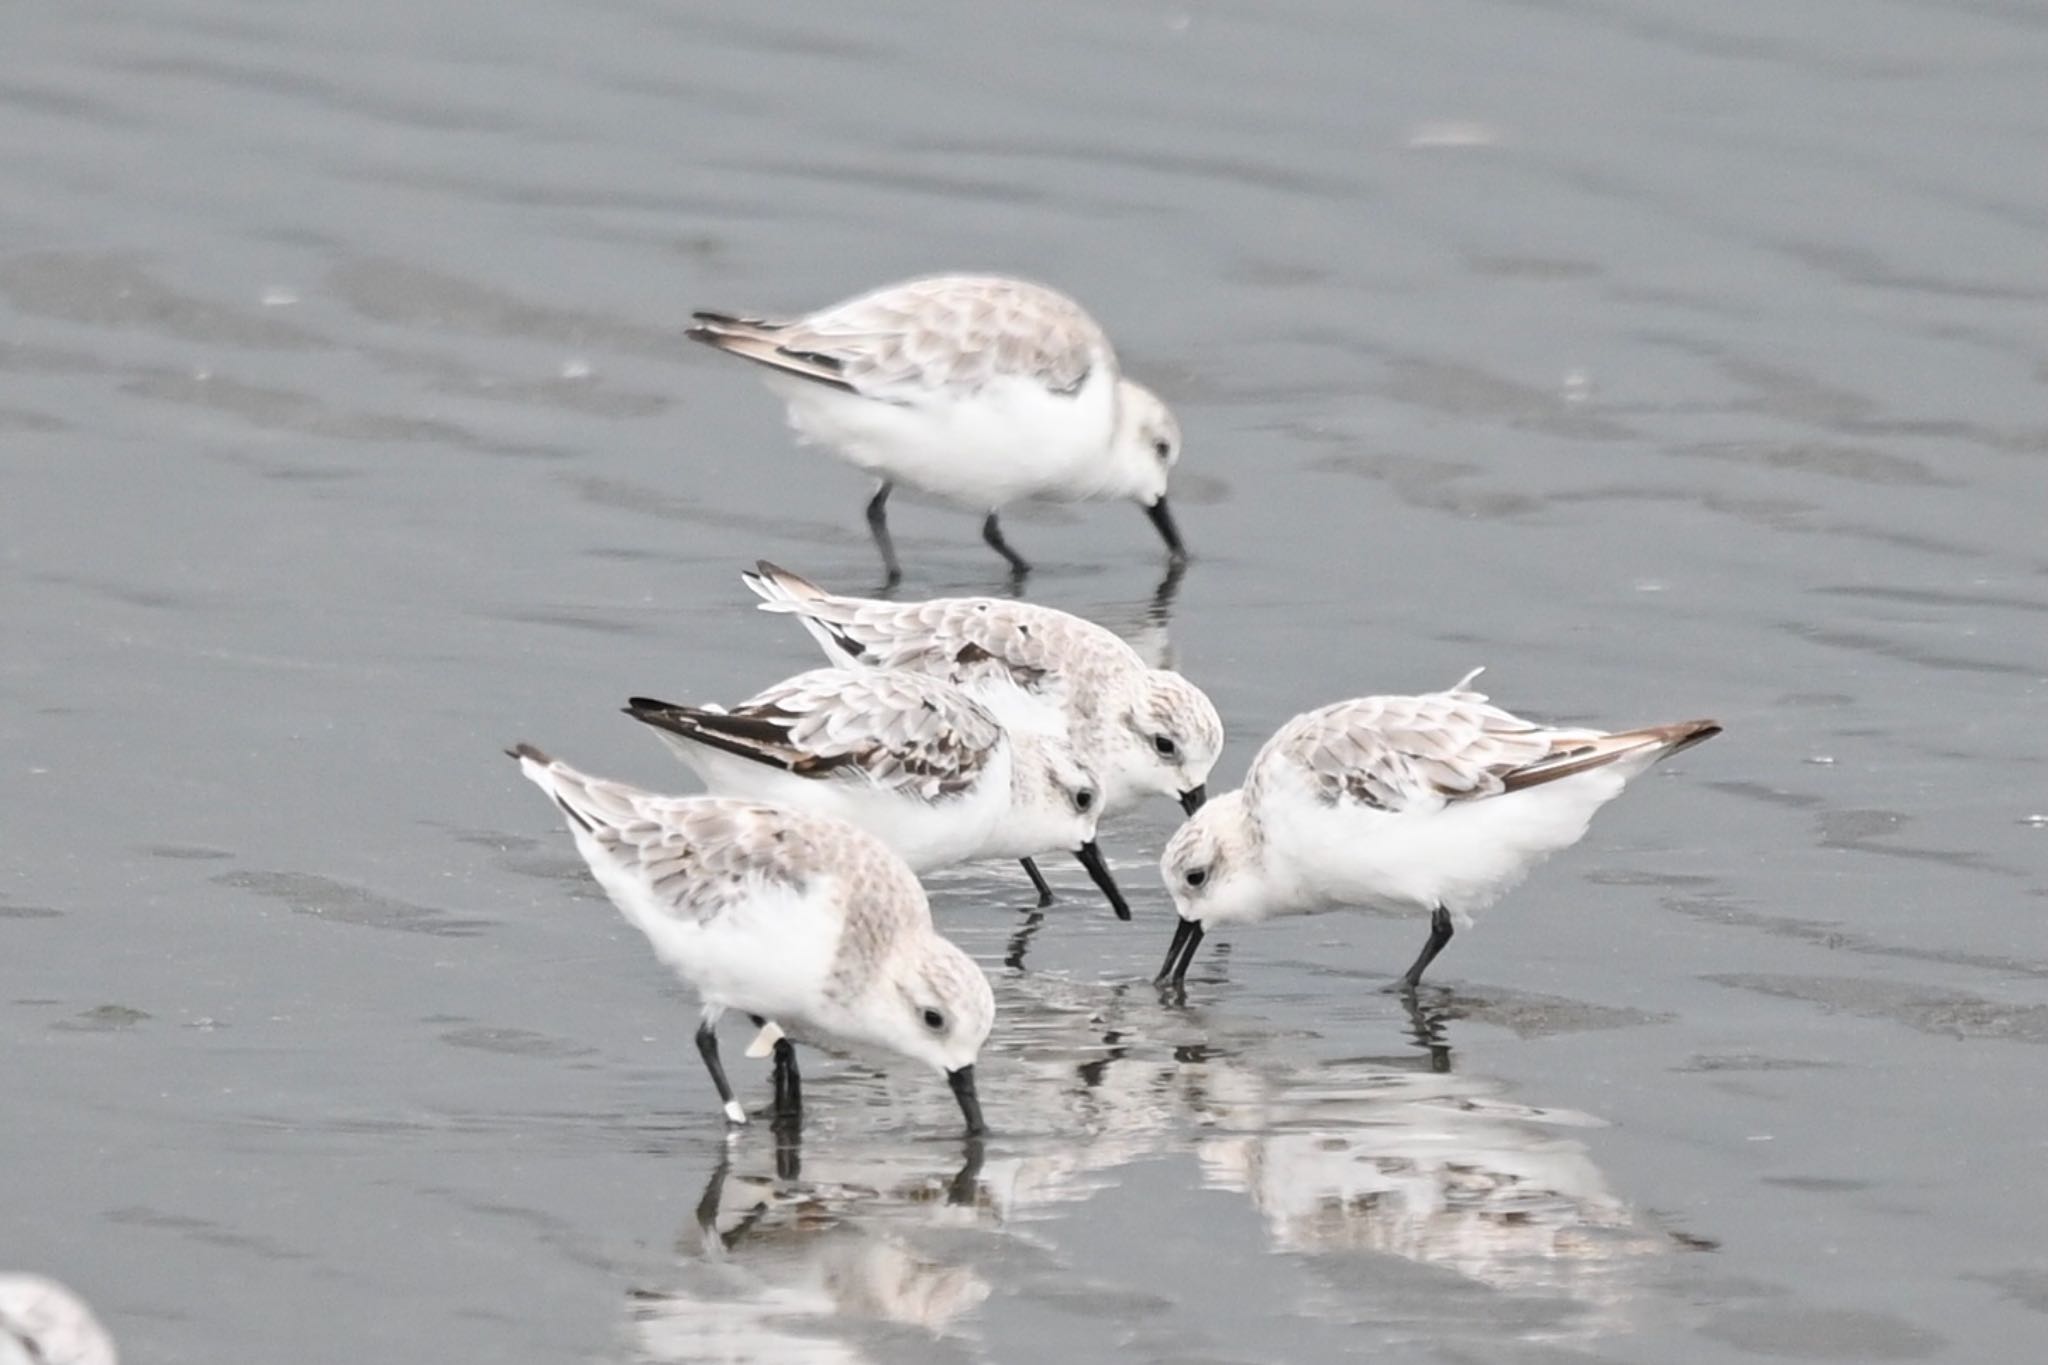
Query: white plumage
{"x": 910, "y": 758}
{"x": 976, "y": 388}
{"x": 43, "y": 1323}
{"x": 1142, "y": 730}
{"x": 781, "y": 915}
{"x": 1435, "y": 804}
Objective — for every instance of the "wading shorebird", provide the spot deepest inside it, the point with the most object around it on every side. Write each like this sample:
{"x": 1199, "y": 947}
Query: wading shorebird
{"x": 787, "y": 917}
{"x": 974, "y": 388}
{"x": 1142, "y": 730}
{"x": 1434, "y": 805}
{"x": 911, "y": 759}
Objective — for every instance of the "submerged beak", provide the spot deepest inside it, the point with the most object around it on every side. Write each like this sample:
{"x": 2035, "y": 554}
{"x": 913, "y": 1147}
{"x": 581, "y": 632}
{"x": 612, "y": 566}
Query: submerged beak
{"x": 1191, "y": 800}
{"x": 962, "y": 1082}
{"x": 1162, "y": 519}
{"x": 1186, "y": 939}
{"x": 1098, "y": 872}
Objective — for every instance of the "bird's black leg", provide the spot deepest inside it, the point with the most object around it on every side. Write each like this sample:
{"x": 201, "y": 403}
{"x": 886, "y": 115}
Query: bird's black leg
{"x": 1038, "y": 880}
{"x": 992, "y": 532}
{"x": 789, "y": 1091}
{"x": 707, "y": 1046}
{"x": 1439, "y": 934}
{"x": 878, "y": 527}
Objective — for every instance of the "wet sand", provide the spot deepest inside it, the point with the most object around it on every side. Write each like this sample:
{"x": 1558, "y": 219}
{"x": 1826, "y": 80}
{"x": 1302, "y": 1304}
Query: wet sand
{"x": 1668, "y": 362}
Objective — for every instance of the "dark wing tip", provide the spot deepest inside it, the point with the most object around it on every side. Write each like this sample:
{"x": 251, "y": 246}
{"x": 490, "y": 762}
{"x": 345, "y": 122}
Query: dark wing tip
{"x": 1691, "y": 732}
{"x": 680, "y": 720}
{"x": 717, "y": 330}
{"x": 524, "y": 750}
{"x": 788, "y": 580}
{"x": 831, "y": 364}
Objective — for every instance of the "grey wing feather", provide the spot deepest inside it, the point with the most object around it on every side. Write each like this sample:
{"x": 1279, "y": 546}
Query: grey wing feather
{"x": 698, "y": 855}
{"x": 905, "y": 732}
{"x": 702, "y": 855}
{"x": 950, "y": 332}
{"x": 966, "y": 639}
{"x": 1391, "y": 753}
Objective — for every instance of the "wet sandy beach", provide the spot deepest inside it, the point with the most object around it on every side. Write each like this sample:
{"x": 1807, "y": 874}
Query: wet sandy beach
{"x": 1667, "y": 361}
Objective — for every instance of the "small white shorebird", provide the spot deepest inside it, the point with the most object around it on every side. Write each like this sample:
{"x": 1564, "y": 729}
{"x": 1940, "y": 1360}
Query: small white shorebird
{"x": 1436, "y": 804}
{"x": 43, "y": 1323}
{"x": 782, "y": 915}
{"x": 1142, "y": 730}
{"x": 978, "y": 389}
{"x": 911, "y": 759}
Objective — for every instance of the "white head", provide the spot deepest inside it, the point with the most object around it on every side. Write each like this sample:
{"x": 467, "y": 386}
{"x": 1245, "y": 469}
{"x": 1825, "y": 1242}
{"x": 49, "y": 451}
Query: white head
{"x": 1164, "y": 740}
{"x": 1214, "y": 866}
{"x": 42, "y": 1321}
{"x": 1055, "y": 801}
{"x": 932, "y": 1005}
{"x": 1146, "y": 446}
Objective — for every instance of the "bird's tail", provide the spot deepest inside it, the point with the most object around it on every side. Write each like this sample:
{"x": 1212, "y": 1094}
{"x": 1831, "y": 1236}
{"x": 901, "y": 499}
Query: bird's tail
{"x": 771, "y": 344}
{"x": 1683, "y": 735}
{"x": 779, "y": 589}
{"x": 591, "y": 803}
{"x": 1651, "y": 743}
{"x": 753, "y": 338}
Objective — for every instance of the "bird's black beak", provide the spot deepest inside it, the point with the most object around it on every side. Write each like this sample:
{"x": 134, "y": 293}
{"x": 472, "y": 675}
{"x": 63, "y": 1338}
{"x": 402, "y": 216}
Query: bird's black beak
{"x": 1186, "y": 939}
{"x": 962, "y": 1082}
{"x": 1162, "y": 520}
{"x": 1191, "y": 800}
{"x": 1090, "y": 857}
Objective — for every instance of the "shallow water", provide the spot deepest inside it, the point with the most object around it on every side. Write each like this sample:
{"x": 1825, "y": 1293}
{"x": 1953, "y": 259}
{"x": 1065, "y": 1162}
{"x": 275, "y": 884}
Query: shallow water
{"x": 1667, "y": 360}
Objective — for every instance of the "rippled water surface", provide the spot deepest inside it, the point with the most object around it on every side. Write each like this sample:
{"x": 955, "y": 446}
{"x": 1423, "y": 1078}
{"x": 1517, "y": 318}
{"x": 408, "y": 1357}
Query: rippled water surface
{"x": 1668, "y": 359}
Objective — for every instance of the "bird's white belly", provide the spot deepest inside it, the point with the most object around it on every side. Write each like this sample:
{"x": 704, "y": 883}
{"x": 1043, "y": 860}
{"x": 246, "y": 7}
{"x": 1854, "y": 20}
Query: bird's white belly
{"x": 769, "y": 953}
{"x": 1009, "y": 440}
{"x": 1464, "y": 856}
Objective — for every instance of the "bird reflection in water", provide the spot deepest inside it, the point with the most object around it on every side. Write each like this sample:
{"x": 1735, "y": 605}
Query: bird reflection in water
{"x": 815, "y": 1266}
{"x": 1382, "y": 1155}
{"x": 822, "y": 1255}
{"x": 1432, "y": 1168}
{"x": 1145, "y": 624}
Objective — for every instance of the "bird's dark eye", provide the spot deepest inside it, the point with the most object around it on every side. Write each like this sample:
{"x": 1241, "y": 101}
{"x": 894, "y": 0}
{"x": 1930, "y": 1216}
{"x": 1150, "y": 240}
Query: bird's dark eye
{"x": 1163, "y": 449}
{"x": 1197, "y": 875}
{"x": 1083, "y": 799}
{"x": 1165, "y": 745}
{"x": 934, "y": 1021}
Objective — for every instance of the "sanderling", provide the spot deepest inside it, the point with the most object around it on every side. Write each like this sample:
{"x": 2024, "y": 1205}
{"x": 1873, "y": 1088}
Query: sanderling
{"x": 1436, "y": 804}
{"x": 978, "y": 389}
{"x": 782, "y": 915}
{"x": 43, "y": 1323}
{"x": 911, "y": 759}
{"x": 1142, "y": 730}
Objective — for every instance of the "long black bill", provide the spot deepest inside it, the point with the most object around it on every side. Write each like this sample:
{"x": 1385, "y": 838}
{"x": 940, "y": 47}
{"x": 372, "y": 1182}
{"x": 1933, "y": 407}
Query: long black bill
{"x": 1098, "y": 872}
{"x": 1186, "y": 939}
{"x": 1191, "y": 800}
{"x": 962, "y": 1082}
{"x": 1162, "y": 520}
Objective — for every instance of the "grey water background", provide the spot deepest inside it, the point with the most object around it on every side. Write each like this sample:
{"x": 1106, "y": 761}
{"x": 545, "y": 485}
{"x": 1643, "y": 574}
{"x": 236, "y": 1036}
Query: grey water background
{"x": 1667, "y": 359}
